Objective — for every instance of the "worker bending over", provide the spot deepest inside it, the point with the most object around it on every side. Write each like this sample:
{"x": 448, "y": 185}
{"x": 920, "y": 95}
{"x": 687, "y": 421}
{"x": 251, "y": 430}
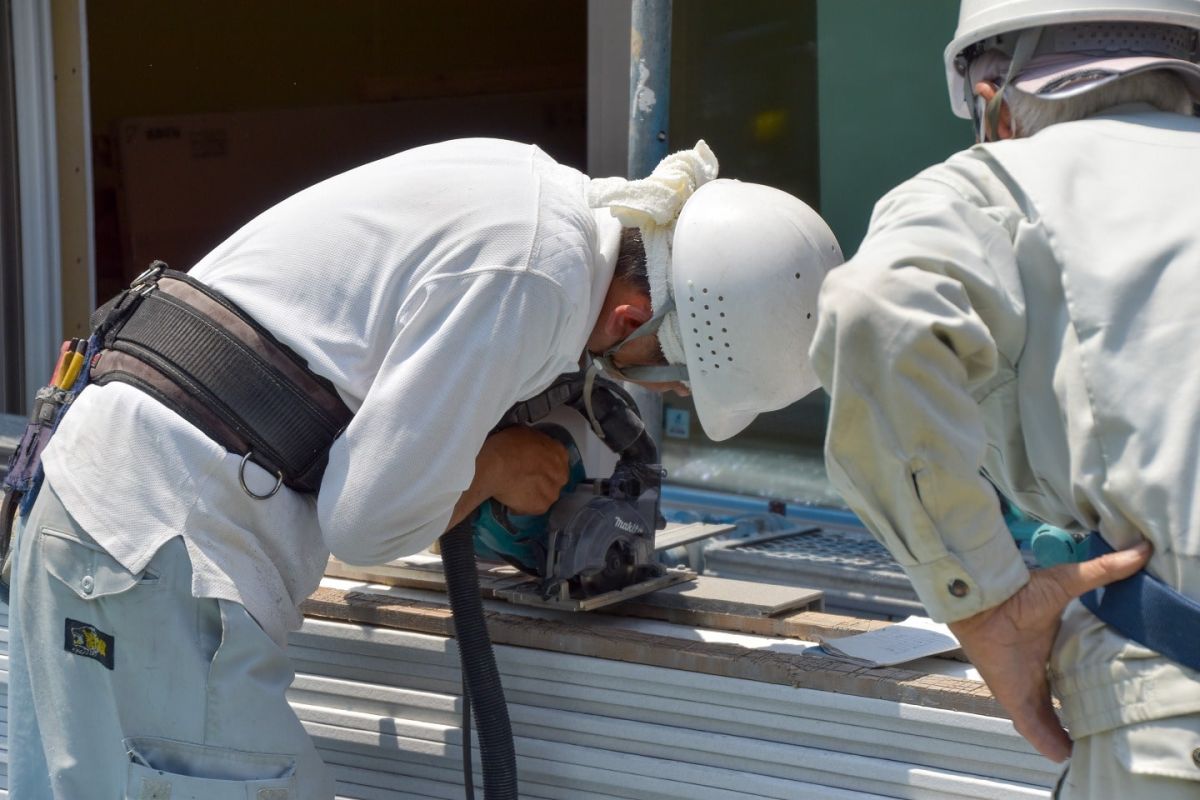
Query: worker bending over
{"x": 1024, "y": 317}
{"x": 397, "y": 311}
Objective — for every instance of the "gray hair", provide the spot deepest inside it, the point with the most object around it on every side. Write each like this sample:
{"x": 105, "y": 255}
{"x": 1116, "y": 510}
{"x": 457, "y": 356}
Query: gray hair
{"x": 1159, "y": 88}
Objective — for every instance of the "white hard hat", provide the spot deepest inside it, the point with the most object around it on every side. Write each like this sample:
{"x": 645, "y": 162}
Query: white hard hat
{"x": 747, "y": 263}
{"x": 1128, "y": 31}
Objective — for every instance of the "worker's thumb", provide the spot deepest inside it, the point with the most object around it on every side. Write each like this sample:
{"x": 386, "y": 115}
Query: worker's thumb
{"x": 1076, "y": 579}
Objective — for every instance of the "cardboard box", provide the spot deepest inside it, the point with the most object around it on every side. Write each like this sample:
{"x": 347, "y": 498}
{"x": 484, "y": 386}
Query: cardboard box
{"x": 188, "y": 182}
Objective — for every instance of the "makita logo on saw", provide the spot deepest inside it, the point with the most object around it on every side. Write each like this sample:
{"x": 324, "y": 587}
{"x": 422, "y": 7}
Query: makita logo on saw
{"x": 628, "y": 527}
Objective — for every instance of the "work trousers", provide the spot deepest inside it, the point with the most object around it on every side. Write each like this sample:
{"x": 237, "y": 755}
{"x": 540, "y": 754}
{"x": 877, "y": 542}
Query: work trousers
{"x": 124, "y": 686}
{"x": 1156, "y": 760}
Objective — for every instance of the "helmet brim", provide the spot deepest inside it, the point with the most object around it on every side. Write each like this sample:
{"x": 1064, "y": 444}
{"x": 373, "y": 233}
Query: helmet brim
{"x": 720, "y": 423}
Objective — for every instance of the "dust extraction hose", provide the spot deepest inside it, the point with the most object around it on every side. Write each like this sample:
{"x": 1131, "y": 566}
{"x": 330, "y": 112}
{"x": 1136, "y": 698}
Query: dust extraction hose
{"x": 481, "y": 676}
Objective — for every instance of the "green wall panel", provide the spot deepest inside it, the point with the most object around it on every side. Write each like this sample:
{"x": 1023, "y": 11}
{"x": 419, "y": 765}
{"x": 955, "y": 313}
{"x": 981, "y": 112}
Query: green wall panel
{"x": 884, "y": 113}
{"x": 744, "y": 79}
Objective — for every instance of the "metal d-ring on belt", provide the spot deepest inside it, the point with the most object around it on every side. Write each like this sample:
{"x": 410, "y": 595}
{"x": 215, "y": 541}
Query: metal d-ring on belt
{"x": 199, "y": 354}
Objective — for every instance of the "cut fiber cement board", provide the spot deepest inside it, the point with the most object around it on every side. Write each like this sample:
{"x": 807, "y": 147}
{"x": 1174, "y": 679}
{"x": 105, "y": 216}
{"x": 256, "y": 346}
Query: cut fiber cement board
{"x": 675, "y": 535}
{"x": 706, "y": 601}
{"x": 724, "y": 596}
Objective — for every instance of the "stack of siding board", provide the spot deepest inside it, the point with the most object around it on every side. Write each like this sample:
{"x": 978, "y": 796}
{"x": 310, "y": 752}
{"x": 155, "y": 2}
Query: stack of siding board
{"x": 3, "y": 702}
{"x": 642, "y": 702}
{"x": 11, "y": 427}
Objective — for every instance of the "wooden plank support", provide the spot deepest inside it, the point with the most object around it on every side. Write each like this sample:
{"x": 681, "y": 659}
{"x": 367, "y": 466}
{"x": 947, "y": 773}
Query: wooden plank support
{"x": 574, "y": 635}
{"x": 709, "y": 602}
{"x": 412, "y": 576}
{"x": 377, "y": 609}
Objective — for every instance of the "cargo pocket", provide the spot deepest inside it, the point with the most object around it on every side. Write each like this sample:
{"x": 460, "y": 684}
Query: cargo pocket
{"x": 1169, "y": 748}
{"x": 86, "y": 568}
{"x": 163, "y": 769}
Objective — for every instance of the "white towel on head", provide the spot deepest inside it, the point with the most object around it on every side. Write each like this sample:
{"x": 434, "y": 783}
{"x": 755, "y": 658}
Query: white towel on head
{"x": 652, "y": 205}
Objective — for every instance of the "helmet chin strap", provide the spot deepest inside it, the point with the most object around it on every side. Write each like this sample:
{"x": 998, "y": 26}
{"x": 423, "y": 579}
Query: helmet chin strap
{"x": 987, "y": 117}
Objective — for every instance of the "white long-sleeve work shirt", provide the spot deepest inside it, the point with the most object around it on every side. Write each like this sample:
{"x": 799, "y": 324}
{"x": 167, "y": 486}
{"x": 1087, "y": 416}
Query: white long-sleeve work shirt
{"x": 434, "y": 289}
{"x": 1027, "y": 315}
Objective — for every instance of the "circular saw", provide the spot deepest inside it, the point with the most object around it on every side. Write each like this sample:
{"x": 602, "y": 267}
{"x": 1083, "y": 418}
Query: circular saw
{"x": 595, "y": 545}
{"x": 597, "y": 538}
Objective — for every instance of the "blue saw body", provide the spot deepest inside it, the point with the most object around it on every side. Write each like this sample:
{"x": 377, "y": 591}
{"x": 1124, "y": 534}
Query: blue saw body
{"x": 1051, "y": 546}
{"x": 595, "y": 545}
{"x": 523, "y": 539}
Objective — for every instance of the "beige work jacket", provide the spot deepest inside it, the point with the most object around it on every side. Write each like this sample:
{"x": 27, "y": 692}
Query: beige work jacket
{"x": 1027, "y": 315}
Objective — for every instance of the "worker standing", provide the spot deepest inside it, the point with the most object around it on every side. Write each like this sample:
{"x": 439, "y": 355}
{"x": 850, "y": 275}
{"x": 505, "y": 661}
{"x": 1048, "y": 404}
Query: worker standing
{"x": 1022, "y": 318}
{"x": 328, "y": 379}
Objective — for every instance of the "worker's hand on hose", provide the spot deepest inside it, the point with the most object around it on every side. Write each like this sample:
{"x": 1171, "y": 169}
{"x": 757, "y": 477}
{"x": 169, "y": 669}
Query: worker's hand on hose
{"x": 526, "y": 469}
{"x": 1010, "y": 643}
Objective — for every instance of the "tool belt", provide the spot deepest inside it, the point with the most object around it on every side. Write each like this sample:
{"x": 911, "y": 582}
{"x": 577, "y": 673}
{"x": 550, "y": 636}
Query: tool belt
{"x": 1145, "y": 610}
{"x": 203, "y": 357}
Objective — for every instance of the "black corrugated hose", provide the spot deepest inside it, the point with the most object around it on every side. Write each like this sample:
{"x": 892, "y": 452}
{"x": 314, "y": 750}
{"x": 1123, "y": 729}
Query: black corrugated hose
{"x": 482, "y": 677}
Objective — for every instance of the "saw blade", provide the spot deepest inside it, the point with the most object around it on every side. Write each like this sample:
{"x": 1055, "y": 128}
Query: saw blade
{"x": 618, "y": 571}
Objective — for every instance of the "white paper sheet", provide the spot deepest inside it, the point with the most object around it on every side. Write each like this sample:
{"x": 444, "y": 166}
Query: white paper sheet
{"x": 913, "y": 638}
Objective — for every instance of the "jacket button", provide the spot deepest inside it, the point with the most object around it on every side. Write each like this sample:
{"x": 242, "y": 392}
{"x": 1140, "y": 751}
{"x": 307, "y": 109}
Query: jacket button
{"x": 958, "y": 587}
{"x": 87, "y": 584}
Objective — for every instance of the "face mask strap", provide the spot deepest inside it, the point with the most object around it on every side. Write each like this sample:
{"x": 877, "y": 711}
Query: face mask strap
{"x": 667, "y": 373}
{"x": 645, "y": 329}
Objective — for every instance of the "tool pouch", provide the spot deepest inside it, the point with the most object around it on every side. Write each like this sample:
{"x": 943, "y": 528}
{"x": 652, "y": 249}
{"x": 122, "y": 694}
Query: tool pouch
{"x": 25, "y": 465}
{"x": 24, "y": 476}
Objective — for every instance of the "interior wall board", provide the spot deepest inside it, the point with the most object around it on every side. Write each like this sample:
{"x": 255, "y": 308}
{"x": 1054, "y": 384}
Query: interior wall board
{"x": 189, "y": 181}
{"x": 73, "y": 153}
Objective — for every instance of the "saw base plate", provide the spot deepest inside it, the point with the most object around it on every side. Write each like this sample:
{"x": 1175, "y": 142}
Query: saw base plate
{"x": 528, "y": 593}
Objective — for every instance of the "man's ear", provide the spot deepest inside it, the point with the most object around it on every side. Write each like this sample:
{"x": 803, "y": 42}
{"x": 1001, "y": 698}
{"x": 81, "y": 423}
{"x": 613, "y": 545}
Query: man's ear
{"x": 627, "y": 318}
{"x": 625, "y": 308}
{"x": 986, "y": 90}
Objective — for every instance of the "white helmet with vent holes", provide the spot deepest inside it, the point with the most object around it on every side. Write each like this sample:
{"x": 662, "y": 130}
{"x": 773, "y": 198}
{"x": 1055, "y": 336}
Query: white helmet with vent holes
{"x": 1093, "y": 41}
{"x": 747, "y": 264}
